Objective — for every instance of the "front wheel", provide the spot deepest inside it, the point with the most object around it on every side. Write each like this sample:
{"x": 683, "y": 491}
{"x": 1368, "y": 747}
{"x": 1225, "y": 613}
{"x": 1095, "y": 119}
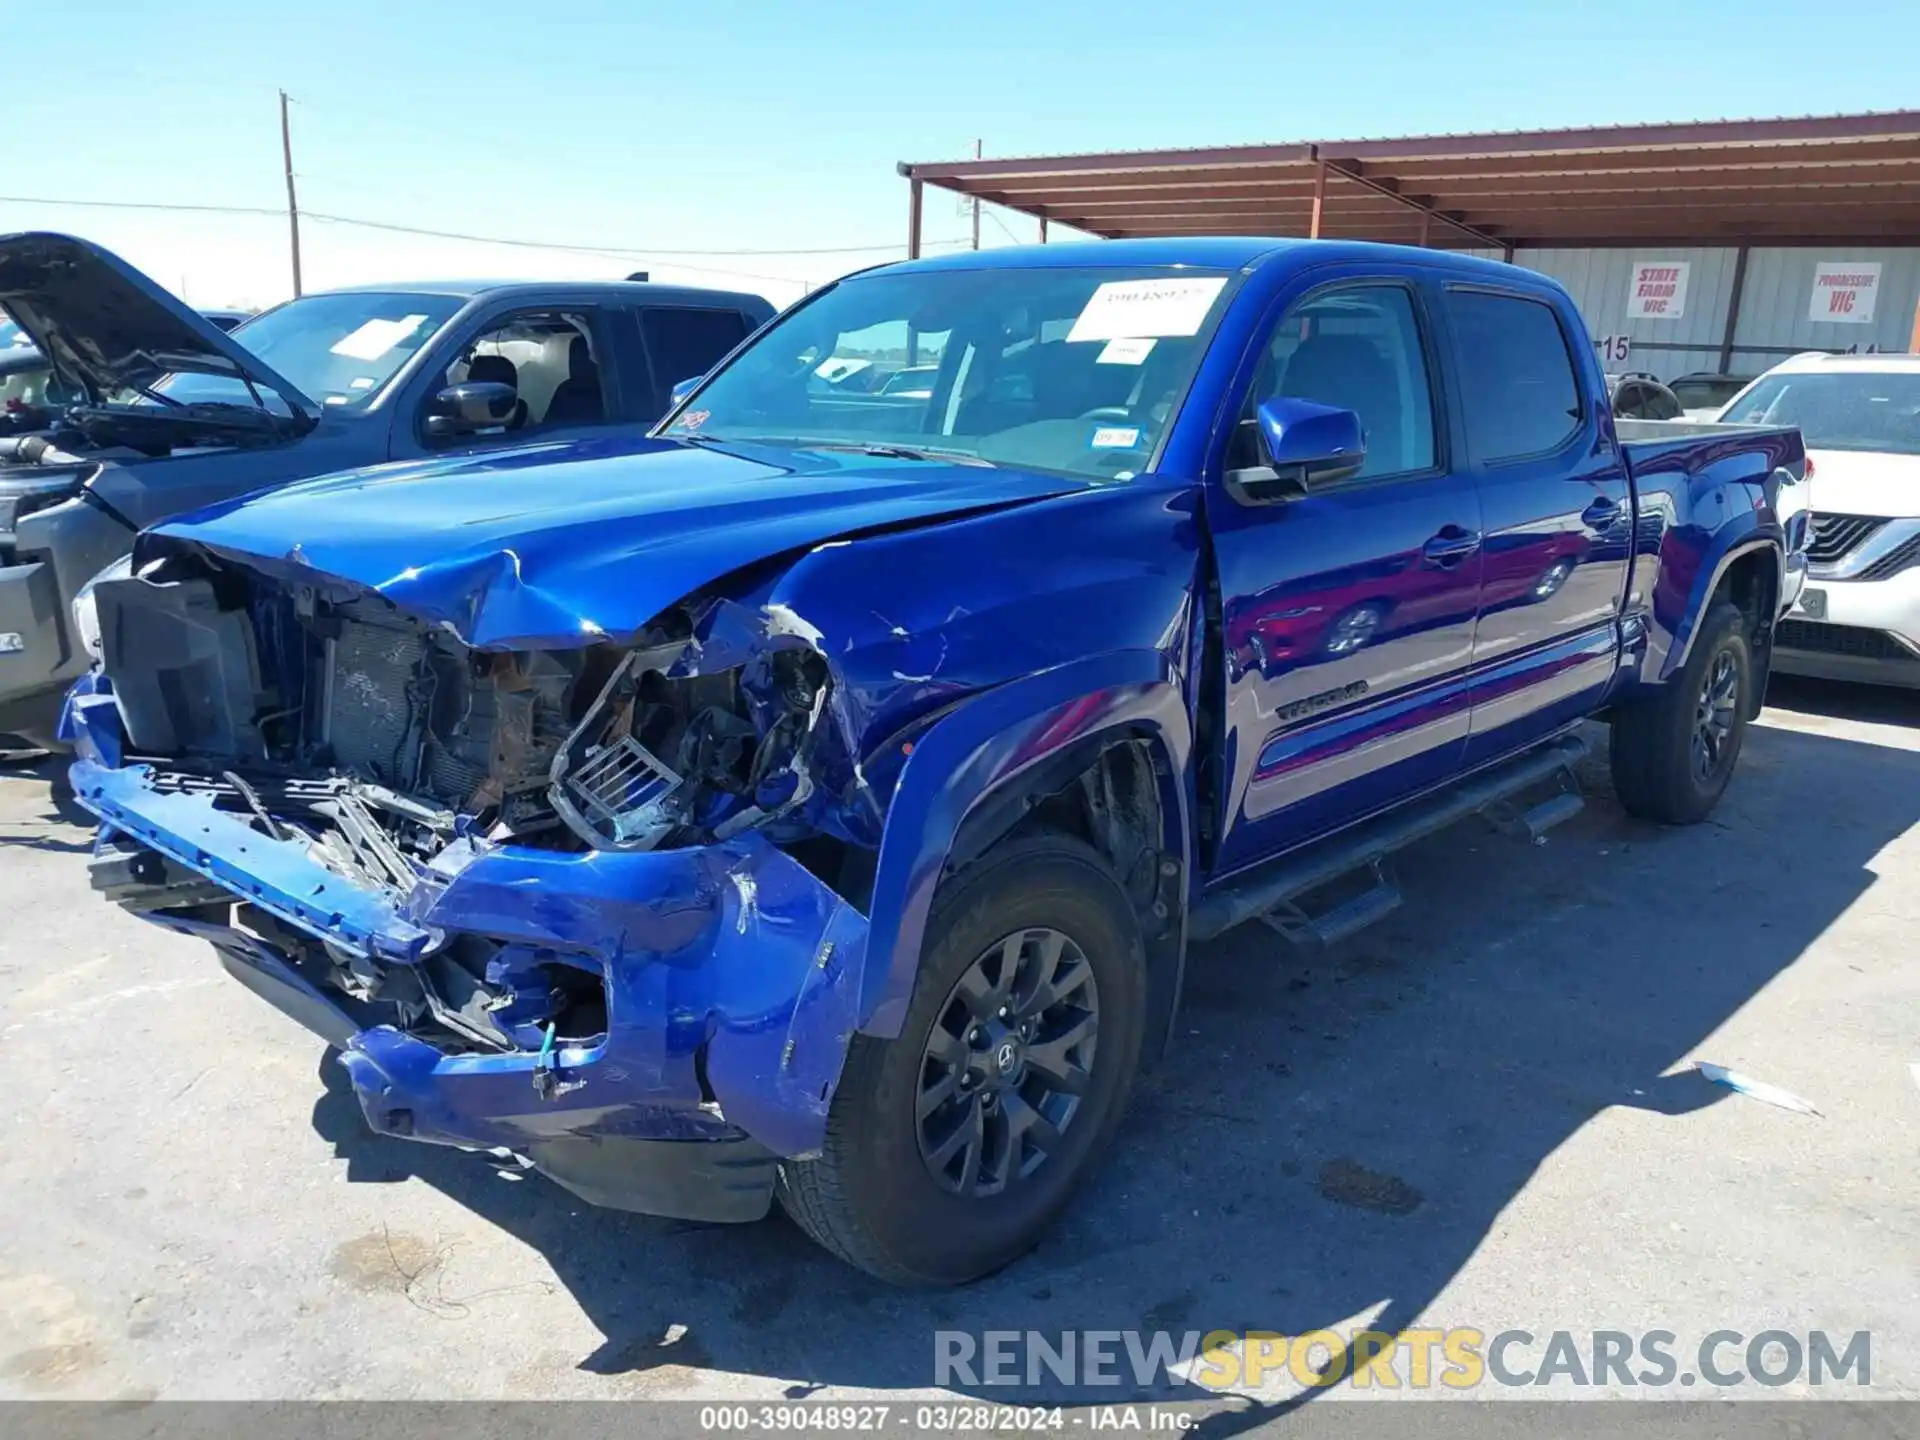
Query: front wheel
{"x": 1673, "y": 756}
{"x": 952, "y": 1148}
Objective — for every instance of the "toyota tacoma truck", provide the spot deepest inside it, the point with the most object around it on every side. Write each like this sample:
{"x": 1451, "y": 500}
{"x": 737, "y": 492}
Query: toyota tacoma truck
{"x": 818, "y": 798}
{"x": 160, "y": 411}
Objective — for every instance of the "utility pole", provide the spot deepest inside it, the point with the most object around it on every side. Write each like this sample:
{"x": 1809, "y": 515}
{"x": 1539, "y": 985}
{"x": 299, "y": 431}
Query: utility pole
{"x": 293, "y": 204}
{"x": 976, "y": 204}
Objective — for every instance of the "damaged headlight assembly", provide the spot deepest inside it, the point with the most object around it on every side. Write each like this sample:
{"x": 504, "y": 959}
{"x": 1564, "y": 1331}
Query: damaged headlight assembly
{"x": 614, "y": 787}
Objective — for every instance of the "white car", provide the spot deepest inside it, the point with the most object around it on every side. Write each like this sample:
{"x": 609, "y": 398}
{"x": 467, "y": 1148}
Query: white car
{"x": 1858, "y": 617}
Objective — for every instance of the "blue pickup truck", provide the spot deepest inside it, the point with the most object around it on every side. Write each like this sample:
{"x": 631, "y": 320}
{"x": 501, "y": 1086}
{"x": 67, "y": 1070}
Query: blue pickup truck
{"x": 159, "y": 410}
{"x": 818, "y": 799}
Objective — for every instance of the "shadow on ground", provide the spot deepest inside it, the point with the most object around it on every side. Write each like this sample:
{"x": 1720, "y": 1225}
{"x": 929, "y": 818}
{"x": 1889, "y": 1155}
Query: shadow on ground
{"x": 1333, "y": 1132}
{"x": 58, "y": 823}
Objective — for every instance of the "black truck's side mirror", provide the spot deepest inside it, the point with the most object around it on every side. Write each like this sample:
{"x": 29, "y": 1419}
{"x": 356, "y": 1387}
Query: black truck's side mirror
{"x": 1303, "y": 444}
{"x": 469, "y": 406}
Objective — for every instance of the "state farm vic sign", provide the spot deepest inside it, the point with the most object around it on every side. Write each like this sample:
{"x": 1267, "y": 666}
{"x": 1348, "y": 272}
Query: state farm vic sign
{"x": 1843, "y": 291}
{"x": 1658, "y": 291}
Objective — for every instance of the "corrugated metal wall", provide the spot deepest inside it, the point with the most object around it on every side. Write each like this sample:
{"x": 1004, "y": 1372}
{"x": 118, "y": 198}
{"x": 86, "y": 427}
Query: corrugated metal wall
{"x": 1773, "y": 310}
{"x": 1773, "y": 306}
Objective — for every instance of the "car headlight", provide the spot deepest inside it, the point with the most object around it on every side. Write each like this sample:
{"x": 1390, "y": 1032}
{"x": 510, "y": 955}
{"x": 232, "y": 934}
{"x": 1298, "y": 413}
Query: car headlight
{"x": 86, "y": 614}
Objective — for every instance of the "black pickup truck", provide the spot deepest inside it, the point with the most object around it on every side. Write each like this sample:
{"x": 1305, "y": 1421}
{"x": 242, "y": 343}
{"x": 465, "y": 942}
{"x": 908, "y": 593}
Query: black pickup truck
{"x": 170, "y": 412}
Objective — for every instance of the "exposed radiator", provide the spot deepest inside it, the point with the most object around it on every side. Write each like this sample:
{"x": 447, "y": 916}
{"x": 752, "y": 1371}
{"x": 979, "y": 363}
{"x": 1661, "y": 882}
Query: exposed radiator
{"x": 374, "y": 667}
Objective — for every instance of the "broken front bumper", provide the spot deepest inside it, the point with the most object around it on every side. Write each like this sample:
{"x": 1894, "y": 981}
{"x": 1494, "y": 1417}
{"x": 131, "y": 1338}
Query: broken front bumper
{"x": 731, "y": 976}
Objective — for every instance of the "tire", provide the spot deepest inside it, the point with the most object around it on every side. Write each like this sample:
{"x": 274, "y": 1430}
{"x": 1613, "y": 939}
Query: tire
{"x": 1656, "y": 747}
{"x": 872, "y": 1195}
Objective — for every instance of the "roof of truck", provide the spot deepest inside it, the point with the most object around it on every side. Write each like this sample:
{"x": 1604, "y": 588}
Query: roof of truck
{"x": 539, "y": 289}
{"x": 1212, "y": 252}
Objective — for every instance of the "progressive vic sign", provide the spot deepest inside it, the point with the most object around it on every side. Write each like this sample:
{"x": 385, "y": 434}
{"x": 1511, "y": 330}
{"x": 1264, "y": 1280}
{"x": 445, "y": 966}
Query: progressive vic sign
{"x": 1843, "y": 291}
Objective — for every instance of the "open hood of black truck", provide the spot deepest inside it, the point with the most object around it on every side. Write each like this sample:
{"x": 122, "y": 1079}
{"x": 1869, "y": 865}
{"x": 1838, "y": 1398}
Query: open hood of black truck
{"x": 107, "y": 328}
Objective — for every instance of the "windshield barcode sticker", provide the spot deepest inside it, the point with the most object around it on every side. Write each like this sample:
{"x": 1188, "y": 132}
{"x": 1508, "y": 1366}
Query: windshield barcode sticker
{"x": 1115, "y": 437}
{"x": 1146, "y": 309}
{"x": 1125, "y": 352}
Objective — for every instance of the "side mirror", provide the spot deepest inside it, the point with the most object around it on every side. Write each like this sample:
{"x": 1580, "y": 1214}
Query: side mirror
{"x": 469, "y": 406}
{"x": 1303, "y": 444}
{"x": 683, "y": 389}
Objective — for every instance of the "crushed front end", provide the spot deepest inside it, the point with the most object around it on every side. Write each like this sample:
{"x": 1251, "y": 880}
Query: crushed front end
{"x": 582, "y": 904}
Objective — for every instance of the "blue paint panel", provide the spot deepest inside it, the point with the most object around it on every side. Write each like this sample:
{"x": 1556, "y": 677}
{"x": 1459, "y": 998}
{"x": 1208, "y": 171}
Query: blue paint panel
{"x": 562, "y": 544}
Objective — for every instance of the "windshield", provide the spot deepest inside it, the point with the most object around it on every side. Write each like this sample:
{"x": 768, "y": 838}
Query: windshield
{"x": 11, "y": 334}
{"x": 1874, "y": 410}
{"x": 1076, "y": 370}
{"x": 338, "y": 350}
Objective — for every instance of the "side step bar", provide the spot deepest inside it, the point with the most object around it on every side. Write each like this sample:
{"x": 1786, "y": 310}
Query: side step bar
{"x": 1275, "y": 885}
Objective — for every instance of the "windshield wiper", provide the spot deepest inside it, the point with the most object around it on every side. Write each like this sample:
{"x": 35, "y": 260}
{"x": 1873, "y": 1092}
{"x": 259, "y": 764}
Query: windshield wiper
{"x": 905, "y": 452}
{"x": 878, "y": 449}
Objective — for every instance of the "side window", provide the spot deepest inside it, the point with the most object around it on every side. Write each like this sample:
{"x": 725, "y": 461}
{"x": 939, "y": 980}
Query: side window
{"x": 1358, "y": 349}
{"x": 550, "y": 359}
{"x": 685, "y": 343}
{"x": 1517, "y": 381}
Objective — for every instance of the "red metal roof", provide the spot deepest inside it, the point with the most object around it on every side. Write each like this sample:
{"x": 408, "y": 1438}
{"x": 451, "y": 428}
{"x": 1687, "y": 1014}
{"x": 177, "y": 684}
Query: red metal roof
{"x": 1814, "y": 179}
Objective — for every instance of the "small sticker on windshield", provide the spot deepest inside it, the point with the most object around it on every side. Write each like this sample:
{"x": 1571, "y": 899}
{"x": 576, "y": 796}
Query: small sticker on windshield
{"x": 361, "y": 382}
{"x": 376, "y": 337}
{"x": 1125, "y": 352}
{"x": 1139, "y": 309}
{"x": 692, "y": 420}
{"x": 1115, "y": 437}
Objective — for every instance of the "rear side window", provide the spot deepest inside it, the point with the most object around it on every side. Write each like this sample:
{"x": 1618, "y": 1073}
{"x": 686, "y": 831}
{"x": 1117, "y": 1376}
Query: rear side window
{"x": 685, "y": 344}
{"x": 1517, "y": 379}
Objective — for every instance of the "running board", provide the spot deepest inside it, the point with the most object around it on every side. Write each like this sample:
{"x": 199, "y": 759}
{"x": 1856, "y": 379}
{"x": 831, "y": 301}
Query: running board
{"x": 1272, "y": 889}
{"x": 1375, "y": 903}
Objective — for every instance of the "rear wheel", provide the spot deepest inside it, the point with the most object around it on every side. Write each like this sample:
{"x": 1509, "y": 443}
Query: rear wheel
{"x": 1673, "y": 756}
{"x": 953, "y": 1147}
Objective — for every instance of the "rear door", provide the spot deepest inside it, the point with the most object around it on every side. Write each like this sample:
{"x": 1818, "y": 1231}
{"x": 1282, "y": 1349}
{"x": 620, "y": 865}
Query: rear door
{"x": 684, "y": 342}
{"x": 1348, "y": 614}
{"x": 1554, "y": 493}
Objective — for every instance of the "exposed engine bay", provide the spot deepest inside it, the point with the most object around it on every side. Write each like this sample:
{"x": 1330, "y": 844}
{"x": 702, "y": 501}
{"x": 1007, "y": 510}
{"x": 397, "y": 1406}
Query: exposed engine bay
{"x": 82, "y": 434}
{"x": 383, "y": 738}
{"x": 391, "y": 751}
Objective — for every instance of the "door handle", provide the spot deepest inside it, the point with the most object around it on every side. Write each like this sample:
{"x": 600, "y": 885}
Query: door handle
{"x": 1602, "y": 514}
{"x": 1452, "y": 545}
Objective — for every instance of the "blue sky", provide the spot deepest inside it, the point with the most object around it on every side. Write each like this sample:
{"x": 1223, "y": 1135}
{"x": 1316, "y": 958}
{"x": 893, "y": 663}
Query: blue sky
{"x": 767, "y": 126}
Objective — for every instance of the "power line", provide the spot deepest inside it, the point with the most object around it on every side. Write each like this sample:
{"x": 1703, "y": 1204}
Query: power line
{"x": 604, "y": 249}
{"x": 365, "y": 224}
{"x": 143, "y": 205}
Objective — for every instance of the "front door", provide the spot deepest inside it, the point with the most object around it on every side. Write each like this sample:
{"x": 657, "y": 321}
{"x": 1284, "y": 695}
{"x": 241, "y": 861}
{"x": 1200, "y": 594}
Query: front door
{"x": 1348, "y": 615}
{"x": 555, "y": 359}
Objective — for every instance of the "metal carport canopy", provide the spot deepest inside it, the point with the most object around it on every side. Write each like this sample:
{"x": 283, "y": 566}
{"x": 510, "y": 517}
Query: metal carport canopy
{"x": 1815, "y": 180}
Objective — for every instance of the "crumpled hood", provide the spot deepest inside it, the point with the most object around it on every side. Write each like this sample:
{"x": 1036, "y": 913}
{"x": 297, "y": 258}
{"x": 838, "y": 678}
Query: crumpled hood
{"x": 563, "y": 543}
{"x": 107, "y": 327}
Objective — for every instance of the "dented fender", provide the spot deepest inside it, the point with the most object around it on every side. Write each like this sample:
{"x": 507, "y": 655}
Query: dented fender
{"x": 987, "y": 744}
{"x": 732, "y": 949}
